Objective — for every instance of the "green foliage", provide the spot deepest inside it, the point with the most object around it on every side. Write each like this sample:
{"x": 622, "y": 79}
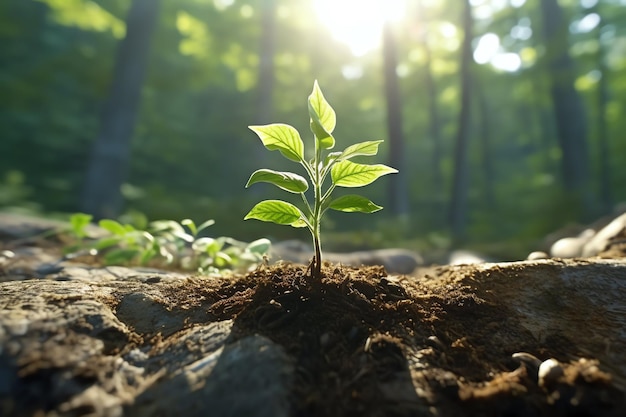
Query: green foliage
{"x": 79, "y": 223}
{"x": 343, "y": 173}
{"x": 167, "y": 243}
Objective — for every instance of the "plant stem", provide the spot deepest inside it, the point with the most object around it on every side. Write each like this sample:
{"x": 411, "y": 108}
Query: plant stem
{"x": 317, "y": 268}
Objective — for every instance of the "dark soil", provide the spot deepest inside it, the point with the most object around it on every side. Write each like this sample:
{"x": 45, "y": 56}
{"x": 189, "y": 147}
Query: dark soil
{"x": 365, "y": 343}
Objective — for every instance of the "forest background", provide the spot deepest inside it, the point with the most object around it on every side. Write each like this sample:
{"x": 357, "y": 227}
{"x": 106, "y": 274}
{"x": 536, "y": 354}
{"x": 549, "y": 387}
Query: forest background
{"x": 504, "y": 117}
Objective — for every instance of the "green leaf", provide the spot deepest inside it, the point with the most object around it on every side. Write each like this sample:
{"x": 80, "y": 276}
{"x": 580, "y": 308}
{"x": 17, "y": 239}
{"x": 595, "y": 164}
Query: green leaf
{"x": 79, "y": 222}
{"x": 281, "y": 137}
{"x": 207, "y": 245}
{"x": 350, "y": 174}
{"x": 162, "y": 225}
{"x": 106, "y": 242}
{"x": 206, "y": 224}
{"x": 285, "y": 180}
{"x": 331, "y": 158}
{"x": 368, "y": 148}
{"x": 323, "y": 118}
{"x": 147, "y": 255}
{"x": 322, "y": 108}
{"x": 323, "y": 137}
{"x": 259, "y": 246}
{"x": 276, "y": 211}
{"x": 191, "y": 225}
{"x": 222, "y": 260}
{"x": 354, "y": 203}
{"x": 184, "y": 236}
{"x": 113, "y": 227}
{"x": 169, "y": 229}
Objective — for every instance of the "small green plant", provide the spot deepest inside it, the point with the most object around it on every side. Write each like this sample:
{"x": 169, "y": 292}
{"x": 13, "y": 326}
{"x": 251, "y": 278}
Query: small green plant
{"x": 343, "y": 173}
{"x": 166, "y": 243}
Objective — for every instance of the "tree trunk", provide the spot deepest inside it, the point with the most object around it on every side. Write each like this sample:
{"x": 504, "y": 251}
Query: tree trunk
{"x": 460, "y": 182}
{"x": 398, "y": 186}
{"x": 543, "y": 116}
{"x": 486, "y": 161}
{"x": 433, "y": 109}
{"x": 434, "y": 119}
{"x": 267, "y": 48}
{"x": 110, "y": 158}
{"x": 603, "y": 138}
{"x": 570, "y": 114}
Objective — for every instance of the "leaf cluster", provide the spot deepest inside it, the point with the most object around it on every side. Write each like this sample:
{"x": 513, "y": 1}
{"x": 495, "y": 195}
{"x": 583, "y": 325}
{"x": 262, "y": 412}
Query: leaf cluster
{"x": 343, "y": 172}
{"x": 167, "y": 243}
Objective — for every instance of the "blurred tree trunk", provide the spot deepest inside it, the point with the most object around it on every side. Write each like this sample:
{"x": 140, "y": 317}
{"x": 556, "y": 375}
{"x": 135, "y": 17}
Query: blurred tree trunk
{"x": 110, "y": 157}
{"x": 460, "y": 182}
{"x": 267, "y": 48}
{"x": 435, "y": 122}
{"x": 570, "y": 114}
{"x": 603, "y": 138}
{"x": 266, "y": 80}
{"x": 547, "y": 125}
{"x": 433, "y": 110}
{"x": 486, "y": 157}
{"x": 398, "y": 186}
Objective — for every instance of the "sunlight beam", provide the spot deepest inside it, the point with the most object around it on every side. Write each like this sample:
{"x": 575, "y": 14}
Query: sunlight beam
{"x": 358, "y": 23}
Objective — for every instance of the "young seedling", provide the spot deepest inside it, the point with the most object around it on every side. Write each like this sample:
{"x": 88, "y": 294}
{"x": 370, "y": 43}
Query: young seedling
{"x": 343, "y": 173}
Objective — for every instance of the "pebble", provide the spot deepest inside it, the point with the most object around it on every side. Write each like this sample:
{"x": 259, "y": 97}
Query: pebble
{"x": 537, "y": 255}
{"x": 550, "y": 371}
{"x": 602, "y": 239}
{"x": 571, "y": 247}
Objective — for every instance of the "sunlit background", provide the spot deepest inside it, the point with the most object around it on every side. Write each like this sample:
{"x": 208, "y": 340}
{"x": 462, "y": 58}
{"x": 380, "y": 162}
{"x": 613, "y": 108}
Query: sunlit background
{"x": 504, "y": 117}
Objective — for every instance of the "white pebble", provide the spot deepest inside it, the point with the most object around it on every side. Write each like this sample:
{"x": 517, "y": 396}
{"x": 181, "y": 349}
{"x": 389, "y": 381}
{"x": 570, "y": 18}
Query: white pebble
{"x": 537, "y": 255}
{"x": 550, "y": 371}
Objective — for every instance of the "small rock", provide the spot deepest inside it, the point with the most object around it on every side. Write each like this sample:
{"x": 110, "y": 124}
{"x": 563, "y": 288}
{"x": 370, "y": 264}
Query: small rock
{"x": 602, "y": 239}
{"x": 537, "y": 255}
{"x": 550, "y": 371}
{"x": 571, "y": 247}
{"x": 463, "y": 257}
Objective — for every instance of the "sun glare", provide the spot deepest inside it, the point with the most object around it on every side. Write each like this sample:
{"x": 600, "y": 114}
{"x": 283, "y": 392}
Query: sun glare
{"x": 358, "y": 23}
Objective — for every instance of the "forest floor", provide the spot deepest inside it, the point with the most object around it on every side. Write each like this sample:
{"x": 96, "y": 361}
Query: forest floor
{"x": 440, "y": 342}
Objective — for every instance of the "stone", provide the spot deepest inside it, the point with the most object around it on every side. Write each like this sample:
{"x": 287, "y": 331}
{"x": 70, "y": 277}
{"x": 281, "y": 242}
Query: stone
{"x": 223, "y": 383}
{"x": 593, "y": 240}
{"x": 571, "y": 247}
{"x": 537, "y": 255}
{"x": 465, "y": 257}
{"x": 549, "y": 372}
{"x": 601, "y": 240}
